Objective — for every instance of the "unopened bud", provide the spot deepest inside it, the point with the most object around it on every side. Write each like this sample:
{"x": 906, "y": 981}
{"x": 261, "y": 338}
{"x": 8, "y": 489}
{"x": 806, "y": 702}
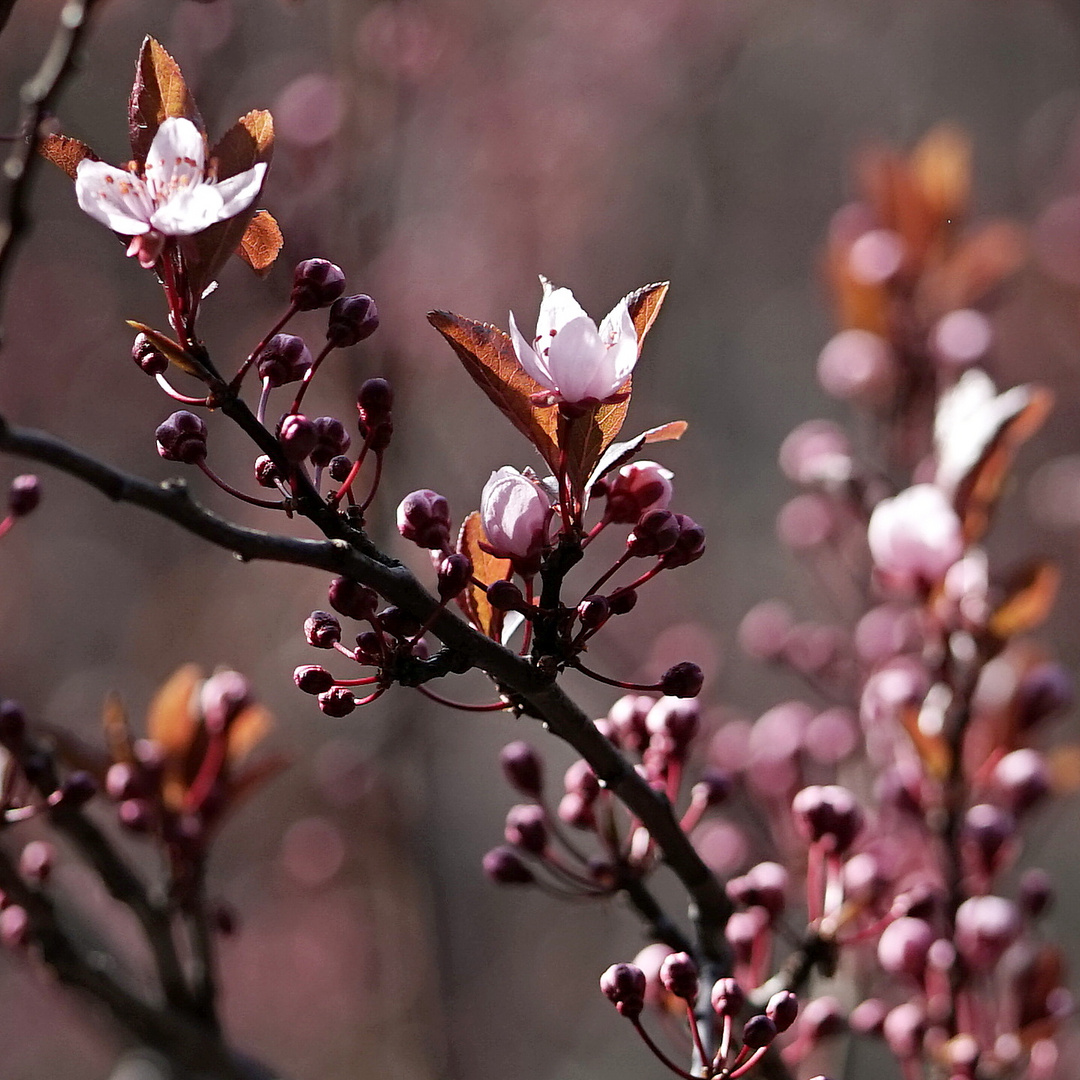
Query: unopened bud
{"x": 828, "y": 811}
{"x": 312, "y": 679}
{"x": 337, "y": 702}
{"x": 526, "y": 828}
{"x": 689, "y": 546}
{"x": 136, "y": 815}
{"x": 24, "y": 495}
{"x": 581, "y": 780}
{"x": 505, "y": 867}
{"x": 593, "y": 612}
{"x": 504, "y": 595}
{"x": 622, "y": 602}
{"x": 424, "y": 518}
{"x": 322, "y": 629}
{"x": 352, "y": 318}
{"x": 782, "y": 1009}
{"x": 148, "y": 356}
{"x": 12, "y": 724}
{"x": 182, "y": 438}
{"x": 331, "y": 440}
{"x": 679, "y": 974}
{"x": 266, "y": 472}
{"x": 398, "y": 623}
{"x": 297, "y": 437}
{"x": 36, "y": 860}
{"x": 455, "y": 573}
{"x": 285, "y": 359}
{"x": 713, "y": 788}
{"x": 624, "y": 986}
{"x": 14, "y": 926}
{"x": 682, "y": 681}
{"x": 223, "y": 697}
{"x": 351, "y": 599}
{"x": 655, "y": 533}
{"x": 1036, "y": 892}
{"x": 316, "y": 283}
{"x": 523, "y": 768}
{"x": 339, "y": 468}
{"x": 727, "y": 998}
{"x": 758, "y": 1031}
{"x": 374, "y": 402}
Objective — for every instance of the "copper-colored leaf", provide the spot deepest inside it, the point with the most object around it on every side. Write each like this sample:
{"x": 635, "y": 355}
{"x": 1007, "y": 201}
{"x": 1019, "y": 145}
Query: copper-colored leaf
{"x": 585, "y": 438}
{"x": 114, "y": 719}
{"x": 980, "y": 262}
{"x": 249, "y": 141}
{"x": 489, "y": 358}
{"x": 65, "y": 153}
{"x": 941, "y": 164}
{"x": 170, "y": 720}
{"x": 247, "y": 730}
{"x": 1029, "y": 599}
{"x": 931, "y": 747}
{"x": 261, "y": 243}
{"x": 159, "y": 92}
{"x": 486, "y": 568}
{"x": 644, "y": 305}
{"x": 1064, "y": 765}
{"x": 618, "y": 454}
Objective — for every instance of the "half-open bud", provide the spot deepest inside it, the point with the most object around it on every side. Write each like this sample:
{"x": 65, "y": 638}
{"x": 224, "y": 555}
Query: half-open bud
{"x": 316, "y": 283}
{"x": 285, "y": 359}
{"x": 624, "y": 986}
{"x": 352, "y": 318}
{"x": 424, "y": 518}
{"x": 182, "y": 438}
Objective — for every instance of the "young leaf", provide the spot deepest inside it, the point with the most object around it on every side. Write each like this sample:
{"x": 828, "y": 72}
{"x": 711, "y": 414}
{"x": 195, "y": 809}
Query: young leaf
{"x": 171, "y": 350}
{"x": 486, "y": 568}
{"x": 644, "y": 305}
{"x": 618, "y": 454}
{"x": 1029, "y": 599}
{"x": 248, "y": 730}
{"x": 261, "y": 243}
{"x": 65, "y": 153}
{"x": 159, "y": 92}
{"x": 169, "y": 720}
{"x": 114, "y": 720}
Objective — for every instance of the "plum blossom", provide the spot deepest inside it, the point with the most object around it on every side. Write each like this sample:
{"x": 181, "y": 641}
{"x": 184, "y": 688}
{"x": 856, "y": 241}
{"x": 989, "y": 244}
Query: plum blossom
{"x": 515, "y": 511}
{"x": 569, "y": 356}
{"x": 175, "y": 195}
{"x": 915, "y": 536}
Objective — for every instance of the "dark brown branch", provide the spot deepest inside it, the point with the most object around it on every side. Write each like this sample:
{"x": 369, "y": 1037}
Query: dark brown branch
{"x": 538, "y": 692}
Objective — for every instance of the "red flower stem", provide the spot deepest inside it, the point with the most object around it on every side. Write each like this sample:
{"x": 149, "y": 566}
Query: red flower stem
{"x": 238, "y": 378}
{"x": 209, "y": 771}
{"x": 494, "y": 706}
{"x": 725, "y": 1043}
{"x": 264, "y": 397}
{"x": 5, "y": 525}
{"x": 238, "y": 494}
{"x": 698, "y": 1044}
{"x": 346, "y": 488}
{"x": 560, "y": 834}
{"x": 21, "y": 813}
{"x": 366, "y": 681}
{"x": 576, "y": 663}
{"x": 345, "y": 651}
{"x": 815, "y": 886}
{"x": 617, "y": 565}
{"x": 370, "y": 698}
{"x": 308, "y": 376}
{"x": 374, "y": 482}
{"x": 694, "y": 813}
{"x": 660, "y": 1055}
{"x": 594, "y": 532}
{"x": 176, "y": 395}
{"x": 551, "y": 860}
{"x": 754, "y": 1058}
{"x": 647, "y": 576}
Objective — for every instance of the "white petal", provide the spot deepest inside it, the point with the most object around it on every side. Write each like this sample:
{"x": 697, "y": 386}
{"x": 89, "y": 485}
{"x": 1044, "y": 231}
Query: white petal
{"x": 556, "y": 309}
{"x": 619, "y": 324}
{"x": 527, "y": 357}
{"x": 576, "y": 354}
{"x": 176, "y": 158}
{"x": 113, "y": 197}
{"x": 188, "y": 210}
{"x": 240, "y": 191}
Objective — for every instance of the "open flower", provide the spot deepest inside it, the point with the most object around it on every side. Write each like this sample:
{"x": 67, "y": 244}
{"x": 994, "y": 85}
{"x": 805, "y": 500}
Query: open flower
{"x": 175, "y": 196}
{"x": 569, "y": 356}
{"x": 515, "y": 512}
{"x": 916, "y": 535}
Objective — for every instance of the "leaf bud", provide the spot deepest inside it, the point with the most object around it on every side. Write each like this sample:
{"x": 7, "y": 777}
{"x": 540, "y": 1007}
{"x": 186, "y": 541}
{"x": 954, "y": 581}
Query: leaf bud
{"x": 689, "y": 546}
{"x": 682, "y": 680}
{"x": 352, "y": 318}
{"x": 504, "y": 595}
{"x": 332, "y": 440}
{"x": 454, "y": 574}
{"x": 297, "y": 436}
{"x": 24, "y": 495}
{"x": 624, "y": 986}
{"x": 339, "y": 468}
{"x": 782, "y": 1009}
{"x": 679, "y": 974}
{"x": 182, "y": 438}
{"x": 266, "y": 472}
{"x": 505, "y": 867}
{"x": 655, "y": 533}
{"x": 351, "y": 599}
{"x": 593, "y": 612}
{"x": 285, "y": 359}
{"x": 424, "y": 518}
{"x": 526, "y": 828}
{"x": 727, "y": 998}
{"x": 36, "y": 860}
{"x": 337, "y": 702}
{"x": 316, "y": 283}
{"x": 148, "y": 356}
{"x": 758, "y": 1031}
{"x": 828, "y": 811}
{"x": 522, "y": 768}
{"x": 322, "y": 629}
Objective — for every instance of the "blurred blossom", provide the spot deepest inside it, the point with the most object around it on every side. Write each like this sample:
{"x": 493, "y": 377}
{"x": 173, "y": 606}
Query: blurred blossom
{"x": 816, "y": 450}
{"x": 831, "y": 736}
{"x": 875, "y": 256}
{"x": 856, "y": 365}
{"x": 722, "y": 846}
{"x": 805, "y": 521}
{"x": 313, "y": 851}
{"x": 310, "y": 110}
{"x": 961, "y": 337}
{"x": 886, "y": 630}
{"x": 764, "y": 629}
{"x": 915, "y": 536}
{"x": 402, "y": 39}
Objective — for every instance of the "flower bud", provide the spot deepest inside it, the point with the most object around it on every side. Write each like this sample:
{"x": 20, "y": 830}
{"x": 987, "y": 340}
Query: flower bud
{"x": 352, "y": 318}
{"x": 331, "y": 440}
{"x": 398, "y": 623}
{"x": 764, "y": 885}
{"x": 337, "y": 702}
{"x": 316, "y": 283}
{"x": 222, "y": 698}
{"x": 1036, "y": 892}
{"x": 636, "y": 489}
{"x": 148, "y": 356}
{"x": 339, "y": 468}
{"x": 297, "y": 437}
{"x": 623, "y": 601}
{"x": 312, "y": 679}
{"x": 985, "y": 927}
{"x": 690, "y": 545}
{"x": 505, "y": 867}
{"x": 628, "y": 718}
{"x": 624, "y": 986}
{"x": 827, "y": 811}
{"x": 654, "y": 534}
{"x": 526, "y": 827}
{"x": 822, "y": 1018}
{"x": 523, "y": 768}
{"x": 266, "y": 472}
{"x": 682, "y": 681}
{"x": 581, "y": 780}
{"x": 515, "y": 511}
{"x": 742, "y": 931}
{"x": 370, "y": 647}
{"x": 14, "y": 927}
{"x": 455, "y": 573}
{"x": 782, "y": 1009}
{"x": 1044, "y": 690}
{"x": 182, "y": 438}
{"x": 351, "y": 599}
{"x": 593, "y": 611}
{"x": 424, "y": 518}
{"x": 75, "y": 791}
{"x": 758, "y": 1031}
{"x": 36, "y": 860}
{"x": 679, "y": 974}
{"x": 677, "y": 718}
{"x": 915, "y": 536}
{"x": 868, "y": 1017}
{"x": 24, "y": 495}
{"x": 322, "y": 630}
{"x": 713, "y": 789}
{"x": 903, "y": 1028}
{"x": 504, "y": 595}
{"x": 986, "y": 831}
{"x": 1021, "y": 779}
{"x": 285, "y": 359}
{"x": 903, "y": 947}
{"x": 727, "y": 998}
{"x": 577, "y": 811}
{"x": 123, "y": 781}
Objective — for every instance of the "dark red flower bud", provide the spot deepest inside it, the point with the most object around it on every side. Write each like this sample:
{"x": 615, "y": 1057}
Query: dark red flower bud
{"x": 1036, "y": 892}
{"x": 331, "y": 440}
{"x": 285, "y": 359}
{"x": 454, "y": 574}
{"x": 337, "y": 702}
{"x": 24, "y": 495}
{"x": 322, "y": 629}
{"x": 266, "y": 472}
{"x": 676, "y": 719}
{"x": 424, "y": 518}
{"x": 526, "y": 827}
{"x": 655, "y": 533}
{"x": 374, "y": 402}
{"x": 727, "y": 998}
{"x": 764, "y": 885}
{"x": 351, "y": 599}
{"x": 505, "y": 867}
{"x": 370, "y": 647}
{"x": 224, "y": 696}
{"x": 297, "y": 437}
{"x": 985, "y": 927}
{"x": 828, "y": 811}
{"x": 782, "y": 1009}
{"x": 986, "y": 831}
{"x": 593, "y": 612}
{"x": 758, "y": 1031}
{"x": 623, "y": 602}
{"x": 581, "y": 780}
{"x": 577, "y": 811}
{"x": 523, "y": 768}
{"x": 182, "y": 438}
{"x": 316, "y": 283}
{"x": 1021, "y": 779}
{"x": 339, "y": 468}
{"x": 682, "y": 681}
{"x": 12, "y": 724}
{"x": 628, "y": 718}
{"x": 904, "y": 946}
{"x": 504, "y": 595}
{"x": 624, "y": 986}
{"x": 689, "y": 546}
{"x": 312, "y": 679}
{"x": 352, "y": 318}
{"x": 148, "y": 356}
{"x": 398, "y": 623}
{"x": 76, "y": 790}
{"x": 713, "y": 788}
{"x": 124, "y": 781}
{"x": 1044, "y": 690}
{"x": 36, "y": 860}
{"x": 679, "y": 974}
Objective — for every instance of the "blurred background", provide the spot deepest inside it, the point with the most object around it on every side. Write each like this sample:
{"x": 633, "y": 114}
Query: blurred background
{"x": 444, "y": 153}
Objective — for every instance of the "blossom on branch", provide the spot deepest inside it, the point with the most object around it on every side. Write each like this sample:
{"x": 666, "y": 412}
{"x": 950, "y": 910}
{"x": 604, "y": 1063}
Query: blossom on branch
{"x": 515, "y": 511}
{"x": 916, "y": 535}
{"x": 572, "y": 358}
{"x": 176, "y": 195}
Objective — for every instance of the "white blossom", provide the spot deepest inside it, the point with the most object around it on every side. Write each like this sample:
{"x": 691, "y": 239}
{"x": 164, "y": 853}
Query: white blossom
{"x": 515, "y": 512}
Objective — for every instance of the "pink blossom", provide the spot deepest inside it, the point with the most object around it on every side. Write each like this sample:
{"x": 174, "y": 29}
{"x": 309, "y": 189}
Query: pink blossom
{"x": 915, "y": 536}
{"x": 175, "y": 196}
{"x": 638, "y": 488}
{"x": 515, "y": 511}
{"x": 569, "y": 356}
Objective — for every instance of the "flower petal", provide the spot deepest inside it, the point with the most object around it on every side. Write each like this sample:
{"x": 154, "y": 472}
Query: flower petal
{"x": 188, "y": 210}
{"x": 556, "y": 309}
{"x": 576, "y": 359}
{"x": 527, "y": 357}
{"x": 176, "y": 158}
{"x": 240, "y": 191}
{"x": 113, "y": 196}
